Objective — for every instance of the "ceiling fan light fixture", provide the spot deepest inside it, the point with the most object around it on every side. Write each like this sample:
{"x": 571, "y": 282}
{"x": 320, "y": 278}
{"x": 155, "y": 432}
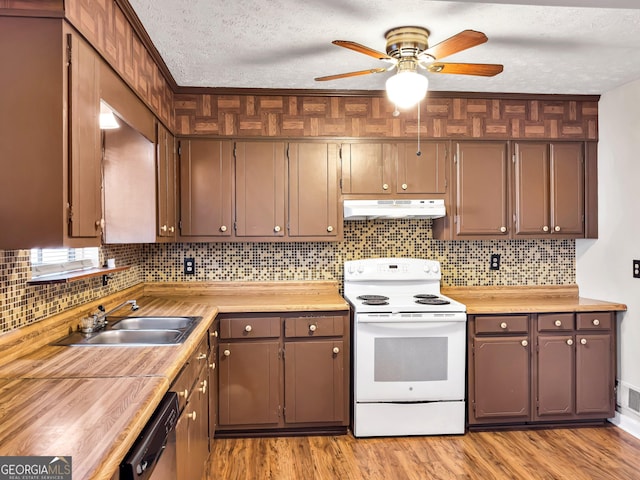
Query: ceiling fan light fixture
{"x": 406, "y": 88}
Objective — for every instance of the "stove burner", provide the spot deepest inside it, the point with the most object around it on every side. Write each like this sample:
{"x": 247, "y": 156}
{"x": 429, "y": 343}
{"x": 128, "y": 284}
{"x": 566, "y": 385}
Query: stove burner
{"x": 375, "y": 302}
{"x": 375, "y": 298}
{"x": 432, "y": 301}
{"x": 425, "y": 295}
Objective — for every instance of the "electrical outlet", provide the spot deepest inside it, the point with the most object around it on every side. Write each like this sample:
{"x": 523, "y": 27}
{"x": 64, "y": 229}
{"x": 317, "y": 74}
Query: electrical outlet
{"x": 189, "y": 266}
{"x": 636, "y": 269}
{"x": 495, "y": 262}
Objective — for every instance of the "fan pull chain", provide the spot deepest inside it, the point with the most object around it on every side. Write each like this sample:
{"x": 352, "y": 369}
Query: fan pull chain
{"x": 418, "y": 153}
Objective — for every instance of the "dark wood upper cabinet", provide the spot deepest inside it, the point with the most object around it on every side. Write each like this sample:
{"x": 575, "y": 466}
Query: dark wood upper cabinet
{"x": 260, "y": 183}
{"x": 206, "y": 188}
{"x": 50, "y": 196}
{"x": 367, "y": 168}
{"x": 166, "y": 176}
{"x": 481, "y": 201}
{"x": 421, "y": 169}
{"x": 549, "y": 189}
{"x": 314, "y": 207}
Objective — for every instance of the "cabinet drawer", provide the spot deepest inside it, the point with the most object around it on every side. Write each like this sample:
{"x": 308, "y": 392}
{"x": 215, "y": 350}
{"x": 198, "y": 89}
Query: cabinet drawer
{"x": 594, "y": 321}
{"x": 555, "y": 322}
{"x": 250, "y": 327}
{"x": 325, "y": 326}
{"x": 502, "y": 324}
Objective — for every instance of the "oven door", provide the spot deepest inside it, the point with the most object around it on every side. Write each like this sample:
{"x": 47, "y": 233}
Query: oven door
{"x": 409, "y": 361}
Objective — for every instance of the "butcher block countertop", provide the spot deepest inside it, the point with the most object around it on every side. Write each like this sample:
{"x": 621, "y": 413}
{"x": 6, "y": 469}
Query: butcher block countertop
{"x": 527, "y": 299}
{"x": 91, "y": 403}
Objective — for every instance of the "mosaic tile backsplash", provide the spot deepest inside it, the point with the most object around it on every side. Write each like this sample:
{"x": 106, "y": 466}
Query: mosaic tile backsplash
{"x": 464, "y": 263}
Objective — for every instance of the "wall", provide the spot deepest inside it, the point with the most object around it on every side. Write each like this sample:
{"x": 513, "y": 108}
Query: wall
{"x": 604, "y": 266}
{"x": 524, "y": 262}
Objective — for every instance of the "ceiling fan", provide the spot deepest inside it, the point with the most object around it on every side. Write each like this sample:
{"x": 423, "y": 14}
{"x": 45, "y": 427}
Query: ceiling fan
{"x": 407, "y": 51}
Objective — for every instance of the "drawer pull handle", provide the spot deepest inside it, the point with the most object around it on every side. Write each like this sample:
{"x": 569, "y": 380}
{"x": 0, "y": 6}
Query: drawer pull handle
{"x": 184, "y": 393}
{"x": 503, "y": 325}
{"x": 312, "y": 328}
{"x": 596, "y": 322}
{"x": 569, "y": 342}
{"x": 192, "y": 415}
{"x": 248, "y": 328}
{"x": 212, "y": 366}
{"x": 203, "y": 388}
{"x": 214, "y": 333}
{"x": 583, "y": 341}
{"x": 226, "y": 353}
{"x": 201, "y": 356}
{"x": 336, "y": 350}
{"x": 524, "y": 343}
{"x": 557, "y": 323}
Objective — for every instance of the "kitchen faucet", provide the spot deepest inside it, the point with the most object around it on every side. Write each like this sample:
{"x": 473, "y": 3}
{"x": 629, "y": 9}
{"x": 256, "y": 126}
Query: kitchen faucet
{"x": 98, "y": 321}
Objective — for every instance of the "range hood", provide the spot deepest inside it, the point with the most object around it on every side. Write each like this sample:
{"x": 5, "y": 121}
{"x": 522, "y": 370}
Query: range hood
{"x": 370, "y": 209}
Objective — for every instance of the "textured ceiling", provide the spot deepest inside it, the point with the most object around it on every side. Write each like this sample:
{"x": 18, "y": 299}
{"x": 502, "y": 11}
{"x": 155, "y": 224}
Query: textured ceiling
{"x": 561, "y": 46}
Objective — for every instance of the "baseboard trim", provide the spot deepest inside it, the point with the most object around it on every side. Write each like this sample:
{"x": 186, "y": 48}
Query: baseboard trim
{"x": 626, "y": 423}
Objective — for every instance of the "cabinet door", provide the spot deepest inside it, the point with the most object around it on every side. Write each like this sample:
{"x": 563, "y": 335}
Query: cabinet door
{"x": 554, "y": 381}
{"x": 182, "y": 445}
{"x": 85, "y": 176}
{"x": 248, "y": 385}
{"x": 367, "y": 168}
{"x": 199, "y": 427}
{"x": 532, "y": 197}
{"x": 206, "y": 187}
{"x": 594, "y": 375}
{"x": 166, "y": 184}
{"x": 567, "y": 189}
{"x": 314, "y": 381}
{"x": 260, "y": 189}
{"x": 481, "y": 189}
{"x": 500, "y": 387}
{"x": 422, "y": 172}
{"x": 313, "y": 190}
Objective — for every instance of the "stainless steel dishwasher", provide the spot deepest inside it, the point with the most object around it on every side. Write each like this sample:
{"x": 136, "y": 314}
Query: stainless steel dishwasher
{"x": 153, "y": 455}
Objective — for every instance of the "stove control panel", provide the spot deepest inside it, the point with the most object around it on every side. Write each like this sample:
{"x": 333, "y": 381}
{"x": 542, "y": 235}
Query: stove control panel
{"x": 392, "y": 269}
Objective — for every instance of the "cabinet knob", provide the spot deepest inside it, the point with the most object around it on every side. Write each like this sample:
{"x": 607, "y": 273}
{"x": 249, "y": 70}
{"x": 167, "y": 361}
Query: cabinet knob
{"x": 248, "y": 328}
{"x": 545, "y": 228}
{"x": 596, "y": 322}
{"x": 385, "y": 186}
{"x": 212, "y": 365}
{"x": 214, "y": 333}
{"x": 203, "y": 386}
{"x": 503, "y": 229}
{"x": 172, "y": 229}
{"x": 192, "y": 415}
{"x": 524, "y": 343}
{"x": 163, "y": 228}
{"x": 184, "y": 393}
{"x": 583, "y": 341}
{"x": 312, "y": 328}
{"x": 336, "y": 350}
{"x": 503, "y": 325}
{"x": 276, "y": 228}
{"x": 404, "y": 186}
{"x": 223, "y": 228}
{"x": 226, "y": 353}
{"x": 569, "y": 342}
{"x": 329, "y": 228}
{"x": 557, "y": 323}
{"x": 201, "y": 356}
{"x": 557, "y": 228}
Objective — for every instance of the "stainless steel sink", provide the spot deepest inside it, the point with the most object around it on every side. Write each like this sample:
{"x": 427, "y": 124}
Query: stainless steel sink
{"x": 136, "y": 337}
{"x": 136, "y": 331}
{"x": 153, "y": 323}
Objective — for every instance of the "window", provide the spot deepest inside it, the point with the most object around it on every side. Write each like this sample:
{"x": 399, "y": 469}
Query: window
{"x": 50, "y": 261}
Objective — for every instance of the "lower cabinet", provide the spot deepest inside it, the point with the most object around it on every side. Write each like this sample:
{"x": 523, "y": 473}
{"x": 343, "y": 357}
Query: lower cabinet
{"x": 283, "y": 372}
{"x": 541, "y": 368}
{"x": 192, "y": 429}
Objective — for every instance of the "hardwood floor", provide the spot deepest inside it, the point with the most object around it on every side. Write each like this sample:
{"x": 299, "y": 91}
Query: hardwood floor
{"x": 575, "y": 454}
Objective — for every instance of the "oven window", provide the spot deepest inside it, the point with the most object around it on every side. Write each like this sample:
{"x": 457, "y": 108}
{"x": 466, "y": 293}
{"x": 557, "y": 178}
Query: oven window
{"x": 410, "y": 359}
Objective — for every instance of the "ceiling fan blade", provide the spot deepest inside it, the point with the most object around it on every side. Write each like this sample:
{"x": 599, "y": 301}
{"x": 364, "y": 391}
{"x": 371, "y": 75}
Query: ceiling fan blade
{"x": 481, "y": 69}
{"x": 356, "y": 47}
{"x": 350, "y": 74}
{"x": 457, "y": 43}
